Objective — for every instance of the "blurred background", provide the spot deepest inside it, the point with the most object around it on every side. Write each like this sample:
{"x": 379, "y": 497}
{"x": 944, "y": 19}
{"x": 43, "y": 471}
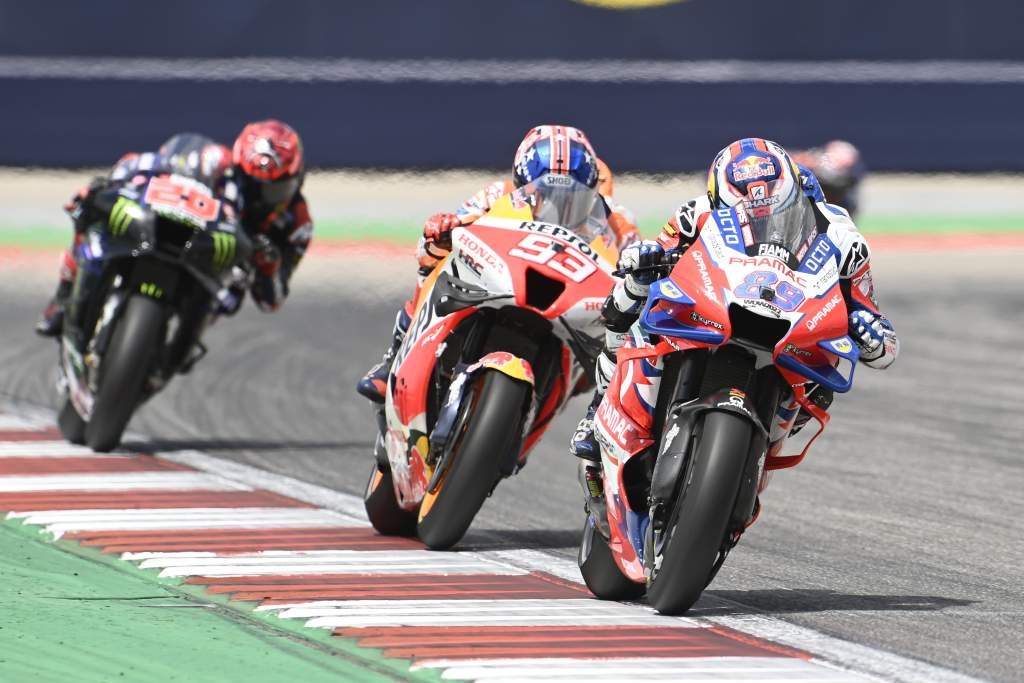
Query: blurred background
{"x": 919, "y": 86}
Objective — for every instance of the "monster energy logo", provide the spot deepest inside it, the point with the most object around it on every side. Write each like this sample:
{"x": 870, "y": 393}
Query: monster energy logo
{"x": 121, "y": 215}
{"x": 224, "y": 246}
{"x": 151, "y": 290}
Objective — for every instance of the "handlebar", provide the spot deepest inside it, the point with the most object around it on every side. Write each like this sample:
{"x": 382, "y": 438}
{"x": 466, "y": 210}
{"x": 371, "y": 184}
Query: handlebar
{"x": 666, "y": 260}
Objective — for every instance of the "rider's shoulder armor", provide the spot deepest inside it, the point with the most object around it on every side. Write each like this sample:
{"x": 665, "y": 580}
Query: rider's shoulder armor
{"x": 853, "y": 251}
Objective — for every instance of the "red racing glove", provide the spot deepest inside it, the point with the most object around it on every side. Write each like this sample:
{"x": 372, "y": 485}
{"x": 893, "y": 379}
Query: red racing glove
{"x": 438, "y": 229}
{"x": 266, "y": 257}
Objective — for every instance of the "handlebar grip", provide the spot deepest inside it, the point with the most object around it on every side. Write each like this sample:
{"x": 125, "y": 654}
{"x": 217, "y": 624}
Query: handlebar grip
{"x": 669, "y": 258}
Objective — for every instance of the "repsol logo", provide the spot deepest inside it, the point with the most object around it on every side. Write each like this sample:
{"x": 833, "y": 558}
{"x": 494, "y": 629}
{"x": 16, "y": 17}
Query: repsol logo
{"x": 561, "y": 233}
{"x": 825, "y": 310}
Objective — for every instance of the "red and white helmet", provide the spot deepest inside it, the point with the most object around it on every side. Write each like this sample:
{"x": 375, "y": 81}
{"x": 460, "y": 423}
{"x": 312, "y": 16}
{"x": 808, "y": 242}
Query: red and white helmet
{"x": 757, "y": 172}
{"x": 268, "y": 154}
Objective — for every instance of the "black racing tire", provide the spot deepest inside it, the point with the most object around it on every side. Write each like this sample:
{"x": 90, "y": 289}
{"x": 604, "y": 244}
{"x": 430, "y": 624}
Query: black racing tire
{"x": 602, "y": 576}
{"x": 700, "y": 516}
{"x": 126, "y": 365}
{"x": 493, "y": 426}
{"x": 70, "y": 423}
{"x": 382, "y": 508}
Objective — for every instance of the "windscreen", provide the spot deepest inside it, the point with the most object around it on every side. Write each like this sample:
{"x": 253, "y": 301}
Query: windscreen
{"x": 788, "y": 227}
{"x": 563, "y": 200}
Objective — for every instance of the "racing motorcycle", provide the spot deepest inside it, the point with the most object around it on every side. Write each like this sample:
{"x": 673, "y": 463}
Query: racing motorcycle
{"x": 742, "y": 338}
{"x": 150, "y": 275}
{"x": 506, "y": 330}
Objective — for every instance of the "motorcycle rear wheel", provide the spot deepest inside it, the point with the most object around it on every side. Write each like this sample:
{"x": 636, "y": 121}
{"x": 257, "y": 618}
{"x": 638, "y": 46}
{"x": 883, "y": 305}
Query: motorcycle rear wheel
{"x": 700, "y": 515}
{"x": 382, "y": 508}
{"x": 446, "y": 514}
{"x": 126, "y": 365}
{"x": 597, "y": 566}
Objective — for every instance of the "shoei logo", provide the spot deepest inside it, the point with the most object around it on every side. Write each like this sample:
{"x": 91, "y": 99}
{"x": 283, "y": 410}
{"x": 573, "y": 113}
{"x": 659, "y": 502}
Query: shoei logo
{"x": 842, "y": 345}
{"x": 562, "y": 180}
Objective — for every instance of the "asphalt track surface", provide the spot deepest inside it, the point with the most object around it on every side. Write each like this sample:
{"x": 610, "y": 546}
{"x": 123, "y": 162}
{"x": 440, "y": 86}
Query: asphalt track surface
{"x": 902, "y": 530}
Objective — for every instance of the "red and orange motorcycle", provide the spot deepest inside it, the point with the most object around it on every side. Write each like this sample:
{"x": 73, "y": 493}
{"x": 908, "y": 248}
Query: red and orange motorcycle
{"x": 741, "y": 339}
{"x": 506, "y": 330}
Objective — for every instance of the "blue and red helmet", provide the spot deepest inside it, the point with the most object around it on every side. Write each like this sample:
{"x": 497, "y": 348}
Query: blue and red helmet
{"x": 558, "y": 150}
{"x": 757, "y": 172}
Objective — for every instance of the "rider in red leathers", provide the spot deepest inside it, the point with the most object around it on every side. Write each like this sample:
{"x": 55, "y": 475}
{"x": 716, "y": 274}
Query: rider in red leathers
{"x": 549, "y": 148}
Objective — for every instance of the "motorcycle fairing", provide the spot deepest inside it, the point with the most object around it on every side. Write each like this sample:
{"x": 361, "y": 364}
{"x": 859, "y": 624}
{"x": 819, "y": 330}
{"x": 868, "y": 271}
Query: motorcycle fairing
{"x": 488, "y": 268}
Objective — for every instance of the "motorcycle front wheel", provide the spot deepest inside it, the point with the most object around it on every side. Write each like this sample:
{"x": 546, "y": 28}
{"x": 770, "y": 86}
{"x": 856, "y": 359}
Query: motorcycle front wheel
{"x": 700, "y": 516}
{"x": 493, "y": 427}
{"x": 136, "y": 342}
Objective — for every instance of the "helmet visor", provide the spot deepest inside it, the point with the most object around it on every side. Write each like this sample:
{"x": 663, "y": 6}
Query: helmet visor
{"x": 789, "y": 227}
{"x": 562, "y": 200}
{"x": 271, "y": 193}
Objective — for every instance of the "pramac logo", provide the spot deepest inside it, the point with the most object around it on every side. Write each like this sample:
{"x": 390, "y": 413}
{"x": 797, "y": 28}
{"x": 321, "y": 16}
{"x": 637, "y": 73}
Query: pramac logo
{"x": 628, "y": 4}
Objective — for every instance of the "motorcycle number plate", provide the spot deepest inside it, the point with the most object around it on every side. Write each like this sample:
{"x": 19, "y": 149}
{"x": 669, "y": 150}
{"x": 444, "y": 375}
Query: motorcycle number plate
{"x": 182, "y": 200}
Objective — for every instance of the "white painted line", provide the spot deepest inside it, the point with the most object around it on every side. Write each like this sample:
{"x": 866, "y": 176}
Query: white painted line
{"x": 119, "y": 481}
{"x": 606, "y": 71}
{"x": 50, "y": 449}
{"x": 346, "y": 504}
{"x": 691, "y": 669}
{"x": 577, "y": 612}
{"x": 293, "y": 568}
{"x": 354, "y": 562}
{"x": 187, "y": 516}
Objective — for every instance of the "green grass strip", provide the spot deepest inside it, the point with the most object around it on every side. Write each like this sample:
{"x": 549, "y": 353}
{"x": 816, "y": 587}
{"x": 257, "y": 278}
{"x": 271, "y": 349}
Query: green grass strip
{"x": 406, "y": 232}
{"x": 74, "y": 614}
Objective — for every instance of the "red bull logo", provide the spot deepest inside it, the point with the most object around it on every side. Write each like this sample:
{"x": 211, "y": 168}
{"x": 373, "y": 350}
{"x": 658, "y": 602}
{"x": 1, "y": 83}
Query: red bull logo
{"x": 753, "y": 167}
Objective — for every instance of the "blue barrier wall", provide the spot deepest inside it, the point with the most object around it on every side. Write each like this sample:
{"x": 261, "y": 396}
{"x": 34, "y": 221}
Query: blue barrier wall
{"x": 962, "y": 117}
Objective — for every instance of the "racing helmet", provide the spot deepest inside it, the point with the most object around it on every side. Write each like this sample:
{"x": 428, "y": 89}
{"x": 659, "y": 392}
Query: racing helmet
{"x": 269, "y": 160}
{"x": 756, "y": 172}
{"x": 196, "y": 156}
{"x": 555, "y": 150}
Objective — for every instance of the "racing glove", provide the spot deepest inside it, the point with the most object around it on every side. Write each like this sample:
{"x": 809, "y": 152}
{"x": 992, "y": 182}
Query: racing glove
{"x": 266, "y": 257}
{"x": 438, "y": 229}
{"x": 875, "y": 338}
{"x": 642, "y": 263}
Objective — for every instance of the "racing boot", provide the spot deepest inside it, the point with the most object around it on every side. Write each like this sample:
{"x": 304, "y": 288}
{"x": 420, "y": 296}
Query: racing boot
{"x": 375, "y": 382}
{"x": 51, "y": 322}
{"x": 583, "y": 443}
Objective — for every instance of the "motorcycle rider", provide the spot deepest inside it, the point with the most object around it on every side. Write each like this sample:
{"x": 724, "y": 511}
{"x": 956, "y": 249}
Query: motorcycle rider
{"x": 260, "y": 179}
{"x": 760, "y": 175}
{"x": 545, "y": 149}
{"x": 839, "y": 168}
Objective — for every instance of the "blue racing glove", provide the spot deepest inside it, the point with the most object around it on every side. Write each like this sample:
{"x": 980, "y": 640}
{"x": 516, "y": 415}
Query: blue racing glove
{"x": 641, "y": 261}
{"x": 868, "y": 331}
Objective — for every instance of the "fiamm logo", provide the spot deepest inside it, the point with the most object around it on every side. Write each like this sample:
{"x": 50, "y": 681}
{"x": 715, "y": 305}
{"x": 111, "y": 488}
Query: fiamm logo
{"x": 628, "y": 4}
